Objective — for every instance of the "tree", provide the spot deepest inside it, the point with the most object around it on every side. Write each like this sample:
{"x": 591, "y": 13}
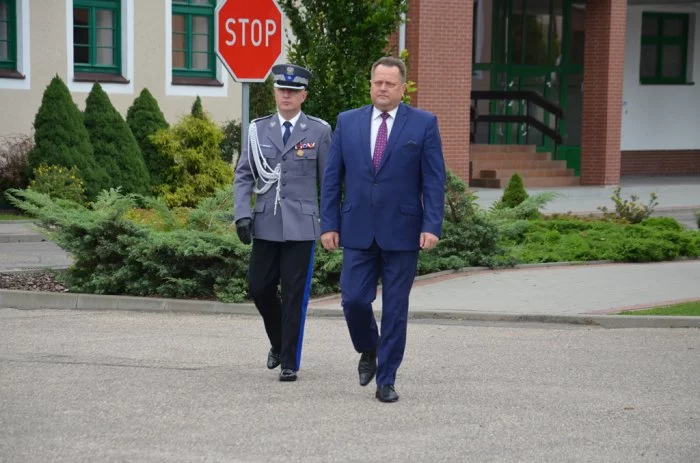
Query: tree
{"x": 193, "y": 149}
{"x": 338, "y": 40}
{"x": 61, "y": 139}
{"x": 145, "y": 118}
{"x": 515, "y": 193}
{"x": 115, "y": 146}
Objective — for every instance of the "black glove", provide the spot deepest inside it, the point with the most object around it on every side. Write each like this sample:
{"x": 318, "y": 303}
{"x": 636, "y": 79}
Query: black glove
{"x": 244, "y": 228}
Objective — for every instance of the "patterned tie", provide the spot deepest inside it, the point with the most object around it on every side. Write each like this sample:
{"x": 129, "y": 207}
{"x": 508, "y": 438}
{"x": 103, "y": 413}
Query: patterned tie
{"x": 287, "y": 131}
{"x": 380, "y": 144}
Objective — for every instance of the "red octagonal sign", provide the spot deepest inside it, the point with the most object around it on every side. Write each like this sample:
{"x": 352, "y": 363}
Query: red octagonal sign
{"x": 248, "y": 37}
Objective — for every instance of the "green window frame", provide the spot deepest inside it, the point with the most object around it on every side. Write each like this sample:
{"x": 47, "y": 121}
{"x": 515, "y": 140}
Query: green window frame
{"x": 97, "y": 36}
{"x": 664, "y": 50}
{"x": 193, "y": 39}
{"x": 8, "y": 34}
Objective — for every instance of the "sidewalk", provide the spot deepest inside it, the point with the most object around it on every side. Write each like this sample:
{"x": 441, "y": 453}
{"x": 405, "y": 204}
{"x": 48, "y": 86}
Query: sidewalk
{"x": 579, "y": 293}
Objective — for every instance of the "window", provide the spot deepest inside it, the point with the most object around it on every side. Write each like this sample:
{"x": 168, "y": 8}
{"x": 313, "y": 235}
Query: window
{"x": 8, "y": 35}
{"x": 96, "y": 36}
{"x": 193, "y": 40}
{"x": 664, "y": 55}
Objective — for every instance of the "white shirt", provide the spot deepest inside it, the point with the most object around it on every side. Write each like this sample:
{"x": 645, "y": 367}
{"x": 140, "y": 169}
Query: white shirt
{"x": 376, "y": 122}
{"x": 292, "y": 120}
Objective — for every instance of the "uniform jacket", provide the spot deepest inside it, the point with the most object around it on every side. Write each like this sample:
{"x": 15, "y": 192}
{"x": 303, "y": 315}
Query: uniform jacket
{"x": 402, "y": 199}
{"x": 303, "y": 160}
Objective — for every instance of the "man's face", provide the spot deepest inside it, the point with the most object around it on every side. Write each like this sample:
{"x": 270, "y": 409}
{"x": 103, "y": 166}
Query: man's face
{"x": 289, "y": 101}
{"x": 386, "y": 87}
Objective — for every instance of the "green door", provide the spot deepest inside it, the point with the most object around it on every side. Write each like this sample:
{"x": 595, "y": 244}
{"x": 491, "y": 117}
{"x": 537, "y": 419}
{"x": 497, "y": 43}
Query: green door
{"x": 537, "y": 45}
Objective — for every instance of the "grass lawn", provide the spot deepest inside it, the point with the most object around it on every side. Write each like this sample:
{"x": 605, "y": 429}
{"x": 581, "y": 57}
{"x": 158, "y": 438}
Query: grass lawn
{"x": 4, "y": 216}
{"x": 688, "y": 309}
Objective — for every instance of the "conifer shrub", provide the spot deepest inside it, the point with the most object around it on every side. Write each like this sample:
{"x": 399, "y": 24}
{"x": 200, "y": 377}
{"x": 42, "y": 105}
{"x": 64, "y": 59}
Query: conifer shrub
{"x": 145, "y": 118}
{"x": 514, "y": 193}
{"x": 197, "y": 109}
{"x": 61, "y": 139}
{"x": 192, "y": 147}
{"x": 114, "y": 144}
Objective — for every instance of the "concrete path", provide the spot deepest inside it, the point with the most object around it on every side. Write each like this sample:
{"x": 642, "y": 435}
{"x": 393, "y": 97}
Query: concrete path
{"x": 119, "y": 386}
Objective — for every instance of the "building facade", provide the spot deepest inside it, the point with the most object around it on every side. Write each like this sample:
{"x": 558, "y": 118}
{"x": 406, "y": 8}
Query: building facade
{"x": 608, "y": 86}
{"x": 166, "y": 46}
{"x": 580, "y": 91}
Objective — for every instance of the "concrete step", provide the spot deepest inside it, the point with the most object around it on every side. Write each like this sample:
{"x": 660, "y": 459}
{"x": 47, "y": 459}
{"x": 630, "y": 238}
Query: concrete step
{"x": 545, "y": 182}
{"x": 492, "y": 164}
{"x": 510, "y": 156}
{"x": 474, "y": 148}
{"x": 506, "y": 174}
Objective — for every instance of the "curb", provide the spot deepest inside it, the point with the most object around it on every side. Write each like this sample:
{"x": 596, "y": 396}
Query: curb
{"x": 31, "y": 300}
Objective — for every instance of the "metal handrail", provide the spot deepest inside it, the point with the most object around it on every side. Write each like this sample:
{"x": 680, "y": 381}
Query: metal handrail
{"x": 530, "y": 97}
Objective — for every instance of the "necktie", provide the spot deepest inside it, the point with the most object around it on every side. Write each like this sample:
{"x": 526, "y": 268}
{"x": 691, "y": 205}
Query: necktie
{"x": 287, "y": 131}
{"x": 380, "y": 144}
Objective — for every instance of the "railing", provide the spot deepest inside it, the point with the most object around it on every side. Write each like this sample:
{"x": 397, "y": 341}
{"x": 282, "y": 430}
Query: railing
{"x": 531, "y": 98}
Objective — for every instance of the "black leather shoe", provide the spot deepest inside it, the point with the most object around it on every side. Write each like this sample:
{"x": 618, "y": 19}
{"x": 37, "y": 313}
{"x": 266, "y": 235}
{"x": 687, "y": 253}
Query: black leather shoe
{"x": 386, "y": 393}
{"x": 367, "y": 367}
{"x": 273, "y": 359}
{"x": 288, "y": 375}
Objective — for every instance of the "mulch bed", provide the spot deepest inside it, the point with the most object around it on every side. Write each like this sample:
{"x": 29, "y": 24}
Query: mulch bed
{"x": 31, "y": 281}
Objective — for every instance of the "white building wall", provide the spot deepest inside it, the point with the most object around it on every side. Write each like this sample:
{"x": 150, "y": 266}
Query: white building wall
{"x": 660, "y": 117}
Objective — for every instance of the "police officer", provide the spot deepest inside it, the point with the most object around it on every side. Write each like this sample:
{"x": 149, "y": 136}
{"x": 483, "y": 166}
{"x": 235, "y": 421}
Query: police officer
{"x": 282, "y": 166}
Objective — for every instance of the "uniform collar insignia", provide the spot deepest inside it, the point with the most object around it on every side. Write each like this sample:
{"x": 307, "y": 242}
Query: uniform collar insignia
{"x": 302, "y": 125}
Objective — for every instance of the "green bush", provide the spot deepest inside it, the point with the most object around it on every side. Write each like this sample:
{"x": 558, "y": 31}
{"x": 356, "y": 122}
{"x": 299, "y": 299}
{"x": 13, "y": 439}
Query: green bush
{"x": 61, "y": 139}
{"x": 197, "y": 171}
{"x": 145, "y": 118}
{"x": 514, "y": 193}
{"x": 469, "y": 237}
{"x": 697, "y": 217}
{"x": 231, "y": 143}
{"x": 59, "y": 182}
{"x": 115, "y": 255}
{"x": 630, "y": 210}
{"x": 115, "y": 146}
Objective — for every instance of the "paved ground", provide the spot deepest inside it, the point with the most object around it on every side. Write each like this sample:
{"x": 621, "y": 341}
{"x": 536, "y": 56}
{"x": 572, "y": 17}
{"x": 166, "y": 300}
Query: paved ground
{"x": 116, "y": 386}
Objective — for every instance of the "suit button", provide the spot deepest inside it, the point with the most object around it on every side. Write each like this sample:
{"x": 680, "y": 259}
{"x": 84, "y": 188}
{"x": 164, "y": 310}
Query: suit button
{"x": 284, "y": 158}
{"x": 284, "y": 171}
{"x": 281, "y": 197}
{"x": 375, "y": 183}
{"x": 284, "y": 184}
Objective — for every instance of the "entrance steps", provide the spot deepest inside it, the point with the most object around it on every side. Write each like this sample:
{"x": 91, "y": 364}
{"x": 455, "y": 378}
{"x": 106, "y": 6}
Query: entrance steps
{"x": 491, "y": 166}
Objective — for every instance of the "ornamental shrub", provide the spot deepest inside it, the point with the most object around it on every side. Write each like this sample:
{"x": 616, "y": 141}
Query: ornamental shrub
{"x": 630, "y": 210}
{"x": 514, "y": 193}
{"x": 197, "y": 171}
{"x": 114, "y": 144}
{"x": 14, "y": 150}
{"x": 61, "y": 139}
{"x": 145, "y": 118}
{"x": 59, "y": 182}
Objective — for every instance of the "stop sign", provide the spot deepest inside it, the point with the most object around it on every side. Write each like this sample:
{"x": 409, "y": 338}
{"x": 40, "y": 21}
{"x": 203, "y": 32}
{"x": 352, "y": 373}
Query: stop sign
{"x": 248, "y": 37}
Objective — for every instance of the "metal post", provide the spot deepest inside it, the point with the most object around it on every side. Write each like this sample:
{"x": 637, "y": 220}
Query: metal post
{"x": 245, "y": 103}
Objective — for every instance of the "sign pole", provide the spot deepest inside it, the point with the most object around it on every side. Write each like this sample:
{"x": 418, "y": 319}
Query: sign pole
{"x": 245, "y": 116}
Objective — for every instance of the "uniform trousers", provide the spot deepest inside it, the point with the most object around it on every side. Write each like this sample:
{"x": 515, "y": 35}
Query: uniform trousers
{"x": 288, "y": 263}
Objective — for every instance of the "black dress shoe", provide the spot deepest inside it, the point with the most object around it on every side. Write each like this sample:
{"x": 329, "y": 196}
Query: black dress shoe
{"x": 288, "y": 375}
{"x": 386, "y": 393}
{"x": 273, "y": 359}
{"x": 367, "y": 367}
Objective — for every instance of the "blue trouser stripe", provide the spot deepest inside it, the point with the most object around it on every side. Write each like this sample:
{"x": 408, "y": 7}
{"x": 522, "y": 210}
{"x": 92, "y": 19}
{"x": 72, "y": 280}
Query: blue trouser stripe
{"x": 305, "y": 302}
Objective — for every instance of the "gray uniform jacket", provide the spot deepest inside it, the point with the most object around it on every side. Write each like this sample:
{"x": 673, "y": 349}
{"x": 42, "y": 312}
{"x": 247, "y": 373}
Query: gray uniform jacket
{"x": 303, "y": 160}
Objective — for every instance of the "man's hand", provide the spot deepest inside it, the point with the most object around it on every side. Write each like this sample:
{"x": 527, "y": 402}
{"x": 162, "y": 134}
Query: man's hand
{"x": 244, "y": 229}
{"x": 428, "y": 240}
{"x": 330, "y": 240}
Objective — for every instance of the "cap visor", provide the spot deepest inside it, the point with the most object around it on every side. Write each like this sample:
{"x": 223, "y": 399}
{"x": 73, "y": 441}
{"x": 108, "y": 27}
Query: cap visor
{"x": 290, "y": 86}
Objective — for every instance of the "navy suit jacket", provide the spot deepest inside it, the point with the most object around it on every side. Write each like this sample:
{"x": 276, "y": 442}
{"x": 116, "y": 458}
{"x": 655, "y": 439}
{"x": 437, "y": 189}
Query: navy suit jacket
{"x": 402, "y": 199}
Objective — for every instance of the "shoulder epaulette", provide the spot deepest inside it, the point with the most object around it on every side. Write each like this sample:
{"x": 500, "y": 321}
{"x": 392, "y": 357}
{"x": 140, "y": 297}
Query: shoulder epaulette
{"x": 318, "y": 119}
{"x": 262, "y": 118}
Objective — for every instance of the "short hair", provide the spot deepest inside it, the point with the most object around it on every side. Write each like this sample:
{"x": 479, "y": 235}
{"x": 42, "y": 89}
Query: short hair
{"x": 390, "y": 61}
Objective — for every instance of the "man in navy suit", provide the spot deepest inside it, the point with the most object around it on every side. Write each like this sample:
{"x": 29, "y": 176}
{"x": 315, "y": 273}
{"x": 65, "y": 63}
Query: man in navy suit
{"x": 389, "y": 158}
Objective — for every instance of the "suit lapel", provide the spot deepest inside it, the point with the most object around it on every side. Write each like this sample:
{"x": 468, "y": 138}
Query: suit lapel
{"x": 275, "y": 134}
{"x": 365, "y": 128}
{"x": 399, "y": 123}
